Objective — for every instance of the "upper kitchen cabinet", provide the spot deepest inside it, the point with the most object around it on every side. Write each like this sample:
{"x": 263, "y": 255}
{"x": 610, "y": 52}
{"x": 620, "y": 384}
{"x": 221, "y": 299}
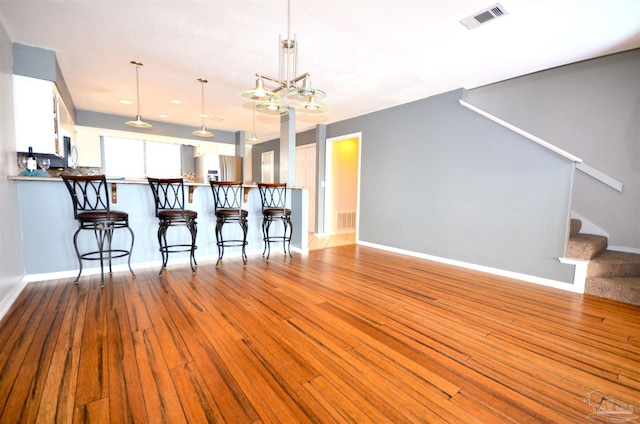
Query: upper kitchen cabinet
{"x": 41, "y": 117}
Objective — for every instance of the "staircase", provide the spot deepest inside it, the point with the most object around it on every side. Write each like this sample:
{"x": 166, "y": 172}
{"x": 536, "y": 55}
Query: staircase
{"x": 610, "y": 274}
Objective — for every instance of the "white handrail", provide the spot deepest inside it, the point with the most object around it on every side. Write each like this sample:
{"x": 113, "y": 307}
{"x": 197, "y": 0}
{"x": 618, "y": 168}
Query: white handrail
{"x": 598, "y": 175}
{"x": 521, "y": 132}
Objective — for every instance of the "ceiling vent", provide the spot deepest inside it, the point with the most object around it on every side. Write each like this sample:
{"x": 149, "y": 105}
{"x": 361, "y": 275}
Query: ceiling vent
{"x": 484, "y": 16}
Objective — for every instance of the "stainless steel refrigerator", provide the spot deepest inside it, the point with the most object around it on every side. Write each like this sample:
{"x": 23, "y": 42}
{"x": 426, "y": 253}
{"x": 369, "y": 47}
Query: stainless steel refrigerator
{"x": 219, "y": 168}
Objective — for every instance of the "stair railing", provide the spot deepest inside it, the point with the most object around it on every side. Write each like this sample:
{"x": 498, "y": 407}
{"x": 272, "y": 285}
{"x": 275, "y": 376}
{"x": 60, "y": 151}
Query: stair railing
{"x": 579, "y": 164}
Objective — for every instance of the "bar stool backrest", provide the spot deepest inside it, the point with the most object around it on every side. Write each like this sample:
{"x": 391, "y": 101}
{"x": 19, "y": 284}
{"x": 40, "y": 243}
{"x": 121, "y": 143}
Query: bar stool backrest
{"x": 89, "y": 193}
{"x": 227, "y": 195}
{"x": 168, "y": 194}
{"x": 273, "y": 196}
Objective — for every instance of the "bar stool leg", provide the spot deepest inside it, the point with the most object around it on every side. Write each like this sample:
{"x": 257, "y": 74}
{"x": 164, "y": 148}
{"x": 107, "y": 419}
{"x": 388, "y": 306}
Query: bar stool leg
{"x": 100, "y": 234}
{"x": 266, "y": 224}
{"x": 287, "y": 224}
{"x": 219, "y": 239}
{"x": 131, "y": 251}
{"x": 245, "y": 227}
{"x": 193, "y": 229}
{"x": 264, "y": 234}
{"x": 162, "y": 240}
{"x": 109, "y": 234}
{"x": 75, "y": 245}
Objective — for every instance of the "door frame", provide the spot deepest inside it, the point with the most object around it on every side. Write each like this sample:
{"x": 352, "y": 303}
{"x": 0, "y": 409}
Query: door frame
{"x": 328, "y": 182}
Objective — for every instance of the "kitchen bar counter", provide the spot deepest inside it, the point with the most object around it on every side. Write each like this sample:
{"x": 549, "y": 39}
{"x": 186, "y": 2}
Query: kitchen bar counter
{"x": 48, "y": 226}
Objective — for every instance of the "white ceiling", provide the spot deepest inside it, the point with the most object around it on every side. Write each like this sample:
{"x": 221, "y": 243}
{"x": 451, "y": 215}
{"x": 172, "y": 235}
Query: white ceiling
{"x": 366, "y": 54}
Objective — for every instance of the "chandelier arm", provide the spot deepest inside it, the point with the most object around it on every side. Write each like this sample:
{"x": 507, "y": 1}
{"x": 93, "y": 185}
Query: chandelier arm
{"x": 301, "y": 77}
{"x": 273, "y": 79}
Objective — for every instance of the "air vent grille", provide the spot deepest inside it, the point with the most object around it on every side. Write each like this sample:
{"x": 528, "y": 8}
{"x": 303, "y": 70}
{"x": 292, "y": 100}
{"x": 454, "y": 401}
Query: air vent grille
{"x": 484, "y": 16}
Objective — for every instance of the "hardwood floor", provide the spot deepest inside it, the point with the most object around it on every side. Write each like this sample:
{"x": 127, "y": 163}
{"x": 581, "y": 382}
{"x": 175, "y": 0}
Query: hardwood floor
{"x": 347, "y": 334}
{"x": 322, "y": 242}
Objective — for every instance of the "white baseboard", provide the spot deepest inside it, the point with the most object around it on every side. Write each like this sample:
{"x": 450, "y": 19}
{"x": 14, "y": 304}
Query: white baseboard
{"x": 140, "y": 265}
{"x": 495, "y": 271}
{"x": 11, "y": 297}
{"x": 624, "y": 249}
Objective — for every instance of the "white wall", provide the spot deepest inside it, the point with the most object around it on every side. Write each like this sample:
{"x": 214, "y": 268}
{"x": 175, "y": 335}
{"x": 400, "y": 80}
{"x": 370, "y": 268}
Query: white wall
{"x": 11, "y": 247}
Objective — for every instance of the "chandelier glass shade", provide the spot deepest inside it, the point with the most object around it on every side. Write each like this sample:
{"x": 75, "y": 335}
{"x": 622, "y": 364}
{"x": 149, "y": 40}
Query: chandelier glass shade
{"x": 138, "y": 122}
{"x": 296, "y": 88}
{"x": 311, "y": 107}
{"x": 202, "y": 131}
{"x": 258, "y": 93}
{"x": 272, "y": 107}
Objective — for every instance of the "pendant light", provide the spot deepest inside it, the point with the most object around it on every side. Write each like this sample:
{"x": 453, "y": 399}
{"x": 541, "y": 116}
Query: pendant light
{"x": 202, "y": 132}
{"x": 138, "y": 122}
{"x": 254, "y": 139}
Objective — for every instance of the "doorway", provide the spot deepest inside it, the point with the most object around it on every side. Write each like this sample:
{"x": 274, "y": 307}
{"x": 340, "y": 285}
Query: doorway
{"x": 266, "y": 167}
{"x": 342, "y": 184}
{"x": 306, "y": 177}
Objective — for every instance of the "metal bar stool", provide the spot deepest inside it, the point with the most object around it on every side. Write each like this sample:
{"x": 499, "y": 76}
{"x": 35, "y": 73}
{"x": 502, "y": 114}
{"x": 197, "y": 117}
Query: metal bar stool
{"x": 168, "y": 194}
{"x": 227, "y": 199}
{"x": 90, "y": 198}
{"x": 274, "y": 207}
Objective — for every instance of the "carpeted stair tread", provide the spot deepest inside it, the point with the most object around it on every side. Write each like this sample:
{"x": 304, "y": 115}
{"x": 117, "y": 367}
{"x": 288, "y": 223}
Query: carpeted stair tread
{"x": 614, "y": 264}
{"x": 621, "y": 289}
{"x": 575, "y": 226}
{"x": 585, "y": 246}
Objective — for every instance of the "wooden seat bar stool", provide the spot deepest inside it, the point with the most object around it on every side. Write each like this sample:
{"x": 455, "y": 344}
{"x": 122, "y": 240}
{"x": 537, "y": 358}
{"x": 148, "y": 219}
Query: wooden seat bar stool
{"x": 168, "y": 195}
{"x": 227, "y": 200}
{"x": 92, "y": 210}
{"x": 274, "y": 207}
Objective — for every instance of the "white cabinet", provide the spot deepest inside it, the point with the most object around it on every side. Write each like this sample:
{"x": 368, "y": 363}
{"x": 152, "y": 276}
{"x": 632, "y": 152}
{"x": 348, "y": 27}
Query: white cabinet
{"x": 41, "y": 118}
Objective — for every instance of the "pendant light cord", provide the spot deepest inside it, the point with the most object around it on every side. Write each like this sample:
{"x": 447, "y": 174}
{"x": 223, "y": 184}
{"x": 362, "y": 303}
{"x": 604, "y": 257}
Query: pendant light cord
{"x": 137, "y": 88}
{"x": 202, "y": 113}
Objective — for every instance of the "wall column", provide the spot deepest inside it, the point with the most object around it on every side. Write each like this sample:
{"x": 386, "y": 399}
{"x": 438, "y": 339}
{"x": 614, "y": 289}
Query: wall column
{"x": 288, "y": 148}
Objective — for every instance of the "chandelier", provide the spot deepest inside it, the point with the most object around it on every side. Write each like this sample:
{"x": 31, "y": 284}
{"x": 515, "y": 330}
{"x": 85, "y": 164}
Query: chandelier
{"x": 298, "y": 87}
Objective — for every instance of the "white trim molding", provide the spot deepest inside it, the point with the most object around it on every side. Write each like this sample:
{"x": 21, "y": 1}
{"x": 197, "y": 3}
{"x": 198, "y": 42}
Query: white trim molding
{"x": 521, "y": 132}
{"x": 600, "y": 176}
{"x": 8, "y": 300}
{"x": 575, "y": 287}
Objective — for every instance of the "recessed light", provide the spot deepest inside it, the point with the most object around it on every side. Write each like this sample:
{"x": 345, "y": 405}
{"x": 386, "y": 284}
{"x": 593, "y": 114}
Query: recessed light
{"x": 204, "y": 115}
{"x": 217, "y": 118}
{"x": 176, "y": 102}
{"x": 163, "y": 116}
{"x": 125, "y": 101}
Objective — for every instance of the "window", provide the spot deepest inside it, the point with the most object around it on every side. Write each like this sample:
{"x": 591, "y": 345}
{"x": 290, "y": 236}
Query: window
{"x": 131, "y": 158}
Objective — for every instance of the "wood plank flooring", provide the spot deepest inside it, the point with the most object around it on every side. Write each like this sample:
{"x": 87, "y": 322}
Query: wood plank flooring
{"x": 344, "y": 335}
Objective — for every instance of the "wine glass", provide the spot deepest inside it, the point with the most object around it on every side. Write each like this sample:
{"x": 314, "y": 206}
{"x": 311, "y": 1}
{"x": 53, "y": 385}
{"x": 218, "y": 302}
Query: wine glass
{"x": 45, "y": 164}
{"x": 22, "y": 162}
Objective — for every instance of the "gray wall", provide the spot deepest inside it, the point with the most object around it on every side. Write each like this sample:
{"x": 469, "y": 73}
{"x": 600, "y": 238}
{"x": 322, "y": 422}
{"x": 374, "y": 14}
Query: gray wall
{"x": 303, "y": 138}
{"x": 592, "y": 110}
{"x": 11, "y": 246}
{"x": 438, "y": 179}
{"x": 36, "y": 62}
